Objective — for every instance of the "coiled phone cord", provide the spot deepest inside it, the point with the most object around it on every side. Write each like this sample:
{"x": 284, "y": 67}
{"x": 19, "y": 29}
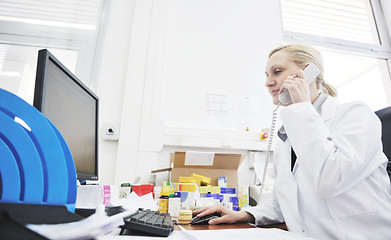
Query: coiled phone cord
{"x": 269, "y": 146}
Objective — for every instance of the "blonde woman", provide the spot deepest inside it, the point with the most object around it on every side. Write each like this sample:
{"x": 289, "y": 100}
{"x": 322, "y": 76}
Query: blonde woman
{"x": 330, "y": 170}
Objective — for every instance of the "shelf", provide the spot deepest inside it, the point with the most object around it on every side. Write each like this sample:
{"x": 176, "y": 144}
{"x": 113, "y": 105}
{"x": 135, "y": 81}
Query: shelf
{"x": 213, "y": 138}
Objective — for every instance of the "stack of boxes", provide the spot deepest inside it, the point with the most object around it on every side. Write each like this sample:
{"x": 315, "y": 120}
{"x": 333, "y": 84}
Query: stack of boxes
{"x": 195, "y": 184}
{"x": 193, "y": 192}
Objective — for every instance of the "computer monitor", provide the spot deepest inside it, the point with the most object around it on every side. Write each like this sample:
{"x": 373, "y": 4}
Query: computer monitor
{"x": 72, "y": 108}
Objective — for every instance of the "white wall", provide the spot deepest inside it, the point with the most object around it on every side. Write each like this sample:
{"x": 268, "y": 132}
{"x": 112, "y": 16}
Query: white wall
{"x": 217, "y": 47}
{"x": 110, "y": 76}
{"x": 139, "y": 54}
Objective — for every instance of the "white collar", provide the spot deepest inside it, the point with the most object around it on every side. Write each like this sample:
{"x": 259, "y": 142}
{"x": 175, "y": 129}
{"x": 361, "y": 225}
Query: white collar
{"x": 318, "y": 107}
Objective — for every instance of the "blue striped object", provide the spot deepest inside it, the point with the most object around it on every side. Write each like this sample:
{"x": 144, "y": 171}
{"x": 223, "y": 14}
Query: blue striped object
{"x": 36, "y": 166}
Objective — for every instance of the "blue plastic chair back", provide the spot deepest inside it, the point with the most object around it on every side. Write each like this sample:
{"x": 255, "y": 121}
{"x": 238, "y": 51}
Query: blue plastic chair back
{"x": 36, "y": 166}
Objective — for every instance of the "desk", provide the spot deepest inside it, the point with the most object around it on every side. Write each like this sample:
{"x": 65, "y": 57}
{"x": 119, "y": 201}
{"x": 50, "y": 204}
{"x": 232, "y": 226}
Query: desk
{"x": 229, "y": 226}
{"x": 213, "y": 232}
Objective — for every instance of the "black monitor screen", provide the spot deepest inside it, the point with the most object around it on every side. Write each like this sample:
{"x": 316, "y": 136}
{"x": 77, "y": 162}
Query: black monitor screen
{"x": 72, "y": 108}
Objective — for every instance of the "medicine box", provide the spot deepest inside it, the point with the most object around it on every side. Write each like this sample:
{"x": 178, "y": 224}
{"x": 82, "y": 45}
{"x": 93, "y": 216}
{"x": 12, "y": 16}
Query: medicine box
{"x": 188, "y": 198}
{"x": 187, "y": 187}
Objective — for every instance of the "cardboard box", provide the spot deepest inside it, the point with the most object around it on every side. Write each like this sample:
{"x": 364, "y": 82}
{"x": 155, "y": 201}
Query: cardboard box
{"x": 224, "y": 165}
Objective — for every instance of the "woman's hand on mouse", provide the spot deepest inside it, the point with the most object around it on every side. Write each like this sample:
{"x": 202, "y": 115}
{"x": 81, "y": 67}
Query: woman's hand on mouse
{"x": 227, "y": 215}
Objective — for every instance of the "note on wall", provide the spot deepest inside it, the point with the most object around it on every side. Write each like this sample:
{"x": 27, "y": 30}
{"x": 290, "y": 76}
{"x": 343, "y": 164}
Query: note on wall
{"x": 233, "y": 112}
{"x": 218, "y": 112}
{"x": 247, "y": 112}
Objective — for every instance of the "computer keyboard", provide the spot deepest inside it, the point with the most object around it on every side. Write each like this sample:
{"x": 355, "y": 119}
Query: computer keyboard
{"x": 149, "y": 221}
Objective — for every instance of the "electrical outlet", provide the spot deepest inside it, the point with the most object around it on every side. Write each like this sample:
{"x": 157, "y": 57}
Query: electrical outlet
{"x": 110, "y": 131}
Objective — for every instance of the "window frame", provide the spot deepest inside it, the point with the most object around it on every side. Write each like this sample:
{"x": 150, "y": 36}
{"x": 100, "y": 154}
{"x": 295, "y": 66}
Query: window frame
{"x": 84, "y": 41}
{"x": 379, "y": 51}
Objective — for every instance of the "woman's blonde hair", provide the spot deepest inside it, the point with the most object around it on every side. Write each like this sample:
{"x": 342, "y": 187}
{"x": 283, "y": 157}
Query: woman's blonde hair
{"x": 303, "y": 55}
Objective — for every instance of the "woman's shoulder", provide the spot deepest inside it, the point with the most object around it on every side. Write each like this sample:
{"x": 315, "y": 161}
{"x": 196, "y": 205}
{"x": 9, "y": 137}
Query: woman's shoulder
{"x": 332, "y": 107}
{"x": 354, "y": 110}
{"x": 336, "y": 105}
{"x": 355, "y": 106}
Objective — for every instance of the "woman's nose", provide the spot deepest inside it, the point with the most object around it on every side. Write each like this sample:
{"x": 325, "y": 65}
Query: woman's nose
{"x": 270, "y": 82}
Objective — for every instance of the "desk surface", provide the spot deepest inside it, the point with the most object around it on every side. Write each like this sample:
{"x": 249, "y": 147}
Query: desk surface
{"x": 229, "y": 226}
{"x": 273, "y": 232}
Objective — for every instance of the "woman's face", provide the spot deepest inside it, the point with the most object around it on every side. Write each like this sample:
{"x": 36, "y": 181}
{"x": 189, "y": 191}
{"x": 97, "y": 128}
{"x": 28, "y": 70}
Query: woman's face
{"x": 278, "y": 68}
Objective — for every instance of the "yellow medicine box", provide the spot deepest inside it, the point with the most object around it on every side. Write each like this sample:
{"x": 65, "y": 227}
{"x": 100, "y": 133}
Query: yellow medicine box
{"x": 187, "y": 187}
{"x": 201, "y": 180}
{"x": 185, "y": 216}
{"x": 170, "y": 187}
{"x": 215, "y": 189}
{"x": 187, "y": 179}
{"x": 204, "y": 189}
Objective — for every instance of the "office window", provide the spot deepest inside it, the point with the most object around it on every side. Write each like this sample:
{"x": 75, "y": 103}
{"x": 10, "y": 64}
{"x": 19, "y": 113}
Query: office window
{"x": 69, "y": 29}
{"x": 353, "y": 40}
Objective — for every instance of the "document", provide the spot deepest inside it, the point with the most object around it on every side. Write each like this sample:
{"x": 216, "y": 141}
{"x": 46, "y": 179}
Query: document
{"x": 134, "y": 202}
{"x": 97, "y": 225}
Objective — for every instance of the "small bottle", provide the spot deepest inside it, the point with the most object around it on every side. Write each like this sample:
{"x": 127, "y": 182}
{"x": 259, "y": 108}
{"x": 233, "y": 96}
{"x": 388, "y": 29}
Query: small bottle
{"x": 156, "y": 194}
{"x": 163, "y": 202}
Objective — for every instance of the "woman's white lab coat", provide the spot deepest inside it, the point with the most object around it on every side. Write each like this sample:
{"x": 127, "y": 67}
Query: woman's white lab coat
{"x": 339, "y": 188}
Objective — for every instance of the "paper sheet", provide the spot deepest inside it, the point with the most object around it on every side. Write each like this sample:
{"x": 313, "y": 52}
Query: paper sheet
{"x": 92, "y": 227}
{"x": 98, "y": 224}
{"x": 218, "y": 112}
{"x": 134, "y": 202}
{"x": 199, "y": 158}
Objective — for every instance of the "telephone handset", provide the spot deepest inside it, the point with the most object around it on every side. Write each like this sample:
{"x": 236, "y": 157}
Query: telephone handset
{"x": 310, "y": 73}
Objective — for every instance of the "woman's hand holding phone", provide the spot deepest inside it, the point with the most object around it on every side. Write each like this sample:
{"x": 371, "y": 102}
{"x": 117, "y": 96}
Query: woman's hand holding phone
{"x": 296, "y": 88}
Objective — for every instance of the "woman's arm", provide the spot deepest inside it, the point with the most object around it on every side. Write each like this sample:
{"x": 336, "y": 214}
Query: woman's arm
{"x": 334, "y": 153}
{"x": 227, "y": 215}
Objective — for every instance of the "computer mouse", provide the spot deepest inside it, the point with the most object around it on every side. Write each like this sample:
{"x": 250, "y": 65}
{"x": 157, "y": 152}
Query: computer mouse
{"x": 205, "y": 219}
